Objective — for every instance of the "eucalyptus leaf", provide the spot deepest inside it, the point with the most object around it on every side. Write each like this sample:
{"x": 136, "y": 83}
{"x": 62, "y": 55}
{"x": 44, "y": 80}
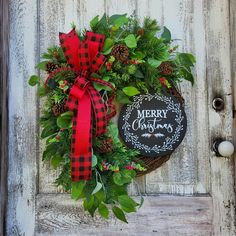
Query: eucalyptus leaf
{"x": 108, "y": 44}
{"x": 130, "y": 91}
{"x": 34, "y": 80}
{"x": 130, "y": 41}
{"x": 64, "y": 121}
{"x": 153, "y": 62}
{"x": 94, "y": 160}
{"x": 97, "y": 188}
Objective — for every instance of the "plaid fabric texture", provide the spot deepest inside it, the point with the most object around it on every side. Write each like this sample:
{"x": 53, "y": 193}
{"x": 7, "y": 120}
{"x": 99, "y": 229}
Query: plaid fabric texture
{"x": 84, "y": 100}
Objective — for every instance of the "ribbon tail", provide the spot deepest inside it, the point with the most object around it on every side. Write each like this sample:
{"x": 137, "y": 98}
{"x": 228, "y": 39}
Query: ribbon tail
{"x": 81, "y": 153}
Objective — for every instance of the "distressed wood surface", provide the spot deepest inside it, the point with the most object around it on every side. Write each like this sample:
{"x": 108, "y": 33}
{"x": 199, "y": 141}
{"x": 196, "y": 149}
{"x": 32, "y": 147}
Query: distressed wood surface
{"x": 23, "y": 130}
{"x": 58, "y": 215}
{"x": 220, "y": 124}
{"x": 201, "y": 27}
{"x": 233, "y": 65}
{"x": 4, "y": 111}
{"x": 188, "y": 170}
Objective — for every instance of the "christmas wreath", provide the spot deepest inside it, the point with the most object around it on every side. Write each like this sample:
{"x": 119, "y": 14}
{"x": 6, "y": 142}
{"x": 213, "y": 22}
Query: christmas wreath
{"x": 85, "y": 76}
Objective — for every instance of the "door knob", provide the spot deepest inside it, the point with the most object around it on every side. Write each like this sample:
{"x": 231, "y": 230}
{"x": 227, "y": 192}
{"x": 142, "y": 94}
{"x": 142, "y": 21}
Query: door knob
{"x": 223, "y": 148}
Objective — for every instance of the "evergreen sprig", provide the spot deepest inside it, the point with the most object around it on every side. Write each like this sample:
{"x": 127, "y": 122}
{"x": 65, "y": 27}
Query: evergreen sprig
{"x": 149, "y": 62}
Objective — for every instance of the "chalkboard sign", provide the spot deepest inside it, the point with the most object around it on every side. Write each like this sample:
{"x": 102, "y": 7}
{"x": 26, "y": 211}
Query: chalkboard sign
{"x": 154, "y": 124}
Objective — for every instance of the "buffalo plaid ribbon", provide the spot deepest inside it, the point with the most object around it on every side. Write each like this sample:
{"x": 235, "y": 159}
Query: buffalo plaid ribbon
{"x": 84, "y": 100}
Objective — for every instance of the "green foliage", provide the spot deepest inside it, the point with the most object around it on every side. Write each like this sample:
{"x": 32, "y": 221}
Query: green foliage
{"x": 138, "y": 71}
{"x": 77, "y": 189}
{"x": 119, "y": 214}
{"x": 130, "y": 91}
{"x": 34, "y": 80}
{"x": 166, "y": 35}
{"x": 130, "y": 41}
{"x": 65, "y": 120}
{"x": 127, "y": 204}
{"x": 103, "y": 210}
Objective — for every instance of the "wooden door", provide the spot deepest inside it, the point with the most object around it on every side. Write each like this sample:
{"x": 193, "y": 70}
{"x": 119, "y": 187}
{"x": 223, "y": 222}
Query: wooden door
{"x": 193, "y": 193}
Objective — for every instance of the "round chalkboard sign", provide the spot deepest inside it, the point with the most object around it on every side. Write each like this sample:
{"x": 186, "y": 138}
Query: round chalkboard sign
{"x": 154, "y": 124}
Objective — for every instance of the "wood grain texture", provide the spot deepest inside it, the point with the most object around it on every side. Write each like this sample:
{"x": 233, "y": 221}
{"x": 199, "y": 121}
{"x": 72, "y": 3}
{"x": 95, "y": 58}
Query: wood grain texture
{"x": 188, "y": 170}
{"x": 160, "y": 215}
{"x": 4, "y": 21}
{"x": 23, "y": 55}
{"x": 220, "y": 124}
{"x": 203, "y": 27}
{"x": 233, "y": 66}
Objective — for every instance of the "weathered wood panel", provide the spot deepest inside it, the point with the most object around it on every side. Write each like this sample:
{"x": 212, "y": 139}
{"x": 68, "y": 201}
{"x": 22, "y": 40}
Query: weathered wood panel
{"x": 160, "y": 215}
{"x": 4, "y": 21}
{"x": 203, "y": 27}
{"x": 233, "y": 65}
{"x": 188, "y": 170}
{"x": 22, "y": 118}
{"x": 220, "y": 124}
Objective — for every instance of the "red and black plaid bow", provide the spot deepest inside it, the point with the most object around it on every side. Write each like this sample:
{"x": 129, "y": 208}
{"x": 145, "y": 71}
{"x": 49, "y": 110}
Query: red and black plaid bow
{"x": 84, "y": 100}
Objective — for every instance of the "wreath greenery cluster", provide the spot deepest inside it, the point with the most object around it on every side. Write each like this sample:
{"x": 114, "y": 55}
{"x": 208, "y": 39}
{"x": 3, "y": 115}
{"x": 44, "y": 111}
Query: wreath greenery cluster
{"x": 140, "y": 57}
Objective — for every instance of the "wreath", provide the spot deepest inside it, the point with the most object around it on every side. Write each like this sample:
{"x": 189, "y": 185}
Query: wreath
{"x": 85, "y": 76}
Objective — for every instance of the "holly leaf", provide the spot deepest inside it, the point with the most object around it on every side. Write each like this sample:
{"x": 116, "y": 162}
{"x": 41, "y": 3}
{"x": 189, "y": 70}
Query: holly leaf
{"x": 77, "y": 189}
{"x": 119, "y": 214}
{"x": 34, "y": 79}
{"x": 166, "y": 35}
{"x": 103, "y": 210}
{"x": 130, "y": 41}
{"x": 97, "y": 188}
{"x": 153, "y": 62}
{"x": 130, "y": 91}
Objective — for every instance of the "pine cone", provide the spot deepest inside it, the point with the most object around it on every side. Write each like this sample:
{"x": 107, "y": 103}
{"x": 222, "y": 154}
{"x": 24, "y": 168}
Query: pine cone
{"x": 165, "y": 68}
{"x": 120, "y": 52}
{"x": 56, "y": 54}
{"x": 140, "y": 31}
{"x": 105, "y": 146}
{"x": 50, "y": 67}
{"x": 59, "y": 108}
